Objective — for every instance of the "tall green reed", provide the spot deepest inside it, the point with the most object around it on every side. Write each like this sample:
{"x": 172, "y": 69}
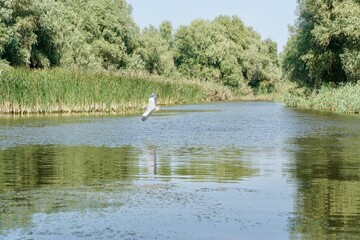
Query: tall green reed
{"x": 59, "y": 90}
{"x": 342, "y": 99}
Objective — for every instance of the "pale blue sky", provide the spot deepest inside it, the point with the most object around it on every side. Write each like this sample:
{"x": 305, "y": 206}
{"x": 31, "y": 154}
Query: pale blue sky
{"x": 270, "y": 18}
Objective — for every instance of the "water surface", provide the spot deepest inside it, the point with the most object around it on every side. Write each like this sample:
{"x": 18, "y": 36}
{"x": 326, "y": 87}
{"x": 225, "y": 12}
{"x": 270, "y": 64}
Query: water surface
{"x": 206, "y": 171}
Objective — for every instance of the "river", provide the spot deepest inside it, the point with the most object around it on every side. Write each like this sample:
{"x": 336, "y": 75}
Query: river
{"x": 227, "y": 170}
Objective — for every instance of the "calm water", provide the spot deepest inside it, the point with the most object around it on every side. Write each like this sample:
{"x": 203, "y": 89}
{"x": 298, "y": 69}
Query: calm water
{"x": 210, "y": 171}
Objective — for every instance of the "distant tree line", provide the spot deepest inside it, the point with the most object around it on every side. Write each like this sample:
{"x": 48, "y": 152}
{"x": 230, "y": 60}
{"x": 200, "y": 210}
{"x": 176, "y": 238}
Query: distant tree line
{"x": 324, "y": 47}
{"x": 101, "y": 34}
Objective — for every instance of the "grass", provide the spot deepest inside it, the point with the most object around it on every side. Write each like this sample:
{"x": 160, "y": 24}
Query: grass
{"x": 24, "y": 91}
{"x": 342, "y": 99}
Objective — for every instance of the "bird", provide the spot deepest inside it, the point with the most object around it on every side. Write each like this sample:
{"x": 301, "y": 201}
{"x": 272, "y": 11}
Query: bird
{"x": 151, "y": 107}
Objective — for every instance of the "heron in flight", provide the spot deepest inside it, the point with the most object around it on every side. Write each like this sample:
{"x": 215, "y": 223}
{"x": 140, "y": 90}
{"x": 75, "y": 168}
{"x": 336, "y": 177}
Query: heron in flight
{"x": 150, "y": 107}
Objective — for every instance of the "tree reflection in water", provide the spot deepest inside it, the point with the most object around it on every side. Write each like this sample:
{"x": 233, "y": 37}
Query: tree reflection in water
{"x": 326, "y": 169}
{"x": 51, "y": 178}
{"x": 56, "y": 178}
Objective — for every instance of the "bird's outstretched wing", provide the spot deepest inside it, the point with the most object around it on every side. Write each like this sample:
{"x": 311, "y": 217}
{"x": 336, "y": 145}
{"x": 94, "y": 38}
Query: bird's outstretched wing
{"x": 150, "y": 107}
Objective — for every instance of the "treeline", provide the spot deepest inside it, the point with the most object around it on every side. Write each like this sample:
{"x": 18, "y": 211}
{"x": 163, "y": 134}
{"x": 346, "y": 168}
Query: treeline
{"x": 323, "y": 51}
{"x": 101, "y": 34}
{"x": 322, "y": 56}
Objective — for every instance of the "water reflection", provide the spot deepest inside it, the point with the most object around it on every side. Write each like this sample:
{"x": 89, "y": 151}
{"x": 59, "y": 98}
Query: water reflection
{"x": 57, "y": 178}
{"x": 27, "y": 167}
{"x": 250, "y": 169}
{"x": 149, "y": 155}
{"x": 326, "y": 169}
{"x": 213, "y": 164}
{"x": 37, "y": 165}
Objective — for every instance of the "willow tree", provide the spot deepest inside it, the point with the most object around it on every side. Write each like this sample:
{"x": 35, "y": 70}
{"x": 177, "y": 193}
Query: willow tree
{"x": 226, "y": 51}
{"x": 324, "y": 46}
{"x": 155, "y": 49}
{"x": 85, "y": 33}
{"x": 33, "y": 32}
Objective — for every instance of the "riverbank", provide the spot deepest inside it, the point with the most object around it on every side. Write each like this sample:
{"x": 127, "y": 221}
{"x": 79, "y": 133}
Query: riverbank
{"x": 342, "y": 99}
{"x": 25, "y": 91}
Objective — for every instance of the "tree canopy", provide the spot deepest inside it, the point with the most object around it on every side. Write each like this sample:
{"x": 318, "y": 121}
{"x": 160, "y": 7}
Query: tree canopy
{"x": 101, "y": 34}
{"x": 86, "y": 33}
{"x": 325, "y": 43}
{"x": 225, "y": 50}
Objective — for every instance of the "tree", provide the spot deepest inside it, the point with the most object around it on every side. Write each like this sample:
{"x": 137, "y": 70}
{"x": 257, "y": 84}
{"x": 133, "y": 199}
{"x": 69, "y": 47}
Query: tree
{"x": 101, "y": 34}
{"x": 5, "y": 17}
{"x": 46, "y": 33}
{"x": 325, "y": 43}
{"x": 226, "y": 51}
{"x": 32, "y": 32}
{"x": 107, "y": 31}
{"x": 155, "y": 49}
{"x": 18, "y": 24}
{"x": 166, "y": 31}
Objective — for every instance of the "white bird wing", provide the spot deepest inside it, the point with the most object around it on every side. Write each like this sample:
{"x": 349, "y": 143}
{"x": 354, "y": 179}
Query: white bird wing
{"x": 149, "y": 109}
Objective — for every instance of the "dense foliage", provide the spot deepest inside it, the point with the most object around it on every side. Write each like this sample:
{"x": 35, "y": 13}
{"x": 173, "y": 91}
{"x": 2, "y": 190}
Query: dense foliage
{"x": 80, "y": 34}
{"x": 226, "y": 51}
{"x": 101, "y": 34}
{"x": 325, "y": 43}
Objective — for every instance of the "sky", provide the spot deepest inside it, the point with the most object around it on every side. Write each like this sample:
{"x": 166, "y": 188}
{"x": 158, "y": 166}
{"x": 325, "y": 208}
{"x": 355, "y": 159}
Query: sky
{"x": 270, "y": 18}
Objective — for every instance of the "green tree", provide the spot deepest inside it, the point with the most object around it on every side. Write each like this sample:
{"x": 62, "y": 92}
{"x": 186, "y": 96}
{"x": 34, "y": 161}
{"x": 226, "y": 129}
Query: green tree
{"x": 32, "y": 32}
{"x": 166, "y": 31}
{"x": 195, "y": 52}
{"x": 226, "y": 51}
{"x": 5, "y": 18}
{"x": 86, "y": 33}
{"x": 101, "y": 34}
{"x": 325, "y": 43}
{"x": 19, "y": 23}
{"x": 103, "y": 30}
{"x": 155, "y": 50}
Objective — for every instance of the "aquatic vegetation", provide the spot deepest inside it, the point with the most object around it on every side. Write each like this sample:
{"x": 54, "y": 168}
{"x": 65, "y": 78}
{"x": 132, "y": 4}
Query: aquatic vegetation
{"x": 343, "y": 99}
{"x": 66, "y": 91}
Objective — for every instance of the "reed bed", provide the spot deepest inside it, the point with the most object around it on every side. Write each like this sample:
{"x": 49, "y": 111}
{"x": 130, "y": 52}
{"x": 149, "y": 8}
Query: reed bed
{"x": 25, "y": 91}
{"x": 342, "y": 99}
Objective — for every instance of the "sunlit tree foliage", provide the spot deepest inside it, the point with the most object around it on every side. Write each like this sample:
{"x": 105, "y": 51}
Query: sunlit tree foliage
{"x": 101, "y": 34}
{"x": 155, "y": 49}
{"x": 226, "y": 51}
{"x": 325, "y": 43}
{"x": 86, "y": 33}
